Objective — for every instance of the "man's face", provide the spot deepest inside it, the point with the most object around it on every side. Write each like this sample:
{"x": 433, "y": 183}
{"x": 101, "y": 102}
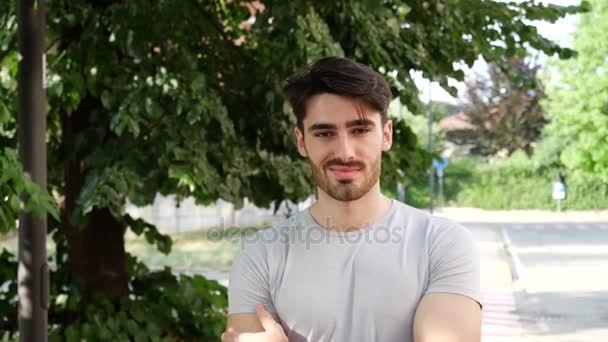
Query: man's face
{"x": 343, "y": 147}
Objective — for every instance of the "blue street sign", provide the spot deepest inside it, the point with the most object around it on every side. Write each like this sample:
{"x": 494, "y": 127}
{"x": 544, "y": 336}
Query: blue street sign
{"x": 559, "y": 190}
{"x": 440, "y": 165}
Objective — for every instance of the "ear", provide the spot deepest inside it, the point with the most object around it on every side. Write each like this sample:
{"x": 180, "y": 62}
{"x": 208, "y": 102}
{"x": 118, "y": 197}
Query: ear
{"x": 300, "y": 142}
{"x": 387, "y": 135}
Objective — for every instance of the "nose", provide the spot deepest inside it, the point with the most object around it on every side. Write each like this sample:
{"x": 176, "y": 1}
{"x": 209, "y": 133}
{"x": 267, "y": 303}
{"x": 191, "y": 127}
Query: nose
{"x": 345, "y": 149}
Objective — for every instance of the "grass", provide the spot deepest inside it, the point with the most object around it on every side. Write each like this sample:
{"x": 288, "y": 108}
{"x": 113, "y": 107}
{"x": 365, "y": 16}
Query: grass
{"x": 189, "y": 251}
{"x": 205, "y": 249}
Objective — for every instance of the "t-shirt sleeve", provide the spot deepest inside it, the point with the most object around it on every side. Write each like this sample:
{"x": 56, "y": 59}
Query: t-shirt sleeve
{"x": 249, "y": 283}
{"x": 454, "y": 261}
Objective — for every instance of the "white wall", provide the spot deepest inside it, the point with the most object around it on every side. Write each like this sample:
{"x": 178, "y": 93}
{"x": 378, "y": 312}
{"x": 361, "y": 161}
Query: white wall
{"x": 167, "y": 217}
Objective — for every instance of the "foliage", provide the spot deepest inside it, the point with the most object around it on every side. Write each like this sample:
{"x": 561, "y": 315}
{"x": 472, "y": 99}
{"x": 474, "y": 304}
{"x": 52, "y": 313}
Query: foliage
{"x": 8, "y": 292}
{"x": 165, "y": 108}
{"x": 161, "y": 306}
{"x": 13, "y": 181}
{"x": 185, "y": 98}
{"x": 577, "y": 104}
{"x": 174, "y": 307}
{"x": 457, "y": 176}
{"x": 505, "y": 115}
{"x": 419, "y": 124}
{"x": 442, "y": 109}
{"x": 513, "y": 183}
{"x": 508, "y": 183}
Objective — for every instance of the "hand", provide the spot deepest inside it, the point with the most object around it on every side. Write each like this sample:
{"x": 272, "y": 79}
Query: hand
{"x": 273, "y": 330}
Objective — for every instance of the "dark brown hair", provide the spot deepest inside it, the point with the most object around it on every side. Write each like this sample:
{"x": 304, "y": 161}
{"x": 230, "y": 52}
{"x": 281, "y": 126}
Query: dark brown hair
{"x": 339, "y": 76}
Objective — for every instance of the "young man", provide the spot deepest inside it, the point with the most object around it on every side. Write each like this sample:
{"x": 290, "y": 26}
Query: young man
{"x": 356, "y": 265}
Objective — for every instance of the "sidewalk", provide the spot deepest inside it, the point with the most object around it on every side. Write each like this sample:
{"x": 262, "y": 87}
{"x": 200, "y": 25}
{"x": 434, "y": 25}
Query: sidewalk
{"x": 500, "y": 321}
{"x": 474, "y": 215}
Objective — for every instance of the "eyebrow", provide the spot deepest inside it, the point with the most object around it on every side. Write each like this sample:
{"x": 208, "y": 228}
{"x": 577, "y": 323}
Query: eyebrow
{"x": 352, "y": 123}
{"x": 360, "y": 122}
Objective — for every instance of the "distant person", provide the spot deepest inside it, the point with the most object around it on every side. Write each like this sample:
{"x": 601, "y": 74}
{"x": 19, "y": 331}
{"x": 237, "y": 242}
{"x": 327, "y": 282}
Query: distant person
{"x": 356, "y": 265}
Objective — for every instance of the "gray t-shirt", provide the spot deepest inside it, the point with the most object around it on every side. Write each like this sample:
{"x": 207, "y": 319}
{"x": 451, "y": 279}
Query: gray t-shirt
{"x": 360, "y": 285}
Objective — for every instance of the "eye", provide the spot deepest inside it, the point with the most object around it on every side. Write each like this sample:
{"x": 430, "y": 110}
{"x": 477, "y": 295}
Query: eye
{"x": 324, "y": 134}
{"x": 360, "y": 131}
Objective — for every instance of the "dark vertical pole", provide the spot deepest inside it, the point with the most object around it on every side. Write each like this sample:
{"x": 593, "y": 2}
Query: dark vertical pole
{"x": 431, "y": 174}
{"x": 400, "y": 185}
{"x": 440, "y": 179}
{"x": 33, "y": 269}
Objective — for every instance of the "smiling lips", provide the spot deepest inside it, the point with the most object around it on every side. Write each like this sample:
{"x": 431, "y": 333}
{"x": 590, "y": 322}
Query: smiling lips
{"x": 344, "y": 172}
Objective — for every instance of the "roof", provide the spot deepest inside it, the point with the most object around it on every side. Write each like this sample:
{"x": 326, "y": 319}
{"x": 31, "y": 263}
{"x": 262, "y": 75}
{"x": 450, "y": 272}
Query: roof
{"x": 456, "y": 122}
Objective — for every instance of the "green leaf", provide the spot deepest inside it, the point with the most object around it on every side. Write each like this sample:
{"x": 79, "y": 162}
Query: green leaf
{"x": 72, "y": 334}
{"x": 164, "y": 244}
{"x": 5, "y": 115}
{"x": 106, "y": 99}
{"x": 132, "y": 327}
{"x": 4, "y": 222}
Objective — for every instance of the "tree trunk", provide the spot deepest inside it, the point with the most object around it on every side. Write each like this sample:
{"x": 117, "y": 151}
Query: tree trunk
{"x": 96, "y": 254}
{"x": 96, "y": 251}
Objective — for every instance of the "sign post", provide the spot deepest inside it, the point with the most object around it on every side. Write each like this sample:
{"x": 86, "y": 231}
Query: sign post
{"x": 440, "y": 166}
{"x": 559, "y": 193}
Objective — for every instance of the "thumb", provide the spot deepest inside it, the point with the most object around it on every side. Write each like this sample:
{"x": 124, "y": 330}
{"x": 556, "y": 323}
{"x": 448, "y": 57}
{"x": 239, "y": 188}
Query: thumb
{"x": 266, "y": 319}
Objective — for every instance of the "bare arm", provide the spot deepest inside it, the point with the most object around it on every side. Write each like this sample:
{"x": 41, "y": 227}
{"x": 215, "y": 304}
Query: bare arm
{"x": 445, "y": 317}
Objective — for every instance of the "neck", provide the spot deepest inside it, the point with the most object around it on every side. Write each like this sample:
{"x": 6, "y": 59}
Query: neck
{"x": 352, "y": 215}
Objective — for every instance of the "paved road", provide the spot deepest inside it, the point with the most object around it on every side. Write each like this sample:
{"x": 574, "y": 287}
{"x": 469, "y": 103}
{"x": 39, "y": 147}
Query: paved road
{"x": 564, "y": 283}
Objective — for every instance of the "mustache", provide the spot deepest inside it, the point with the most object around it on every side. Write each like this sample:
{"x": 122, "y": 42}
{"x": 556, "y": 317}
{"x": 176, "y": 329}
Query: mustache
{"x": 339, "y": 162}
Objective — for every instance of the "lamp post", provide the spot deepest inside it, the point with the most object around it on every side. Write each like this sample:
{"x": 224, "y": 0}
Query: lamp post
{"x": 33, "y": 273}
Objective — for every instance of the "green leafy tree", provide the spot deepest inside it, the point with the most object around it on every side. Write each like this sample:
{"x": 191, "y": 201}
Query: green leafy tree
{"x": 184, "y": 98}
{"x": 577, "y": 104}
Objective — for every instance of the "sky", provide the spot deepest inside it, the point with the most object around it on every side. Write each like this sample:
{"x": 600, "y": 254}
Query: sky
{"x": 561, "y": 32}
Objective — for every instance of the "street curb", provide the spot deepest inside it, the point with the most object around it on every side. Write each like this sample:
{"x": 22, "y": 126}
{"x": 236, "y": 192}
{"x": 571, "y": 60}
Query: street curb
{"x": 518, "y": 274}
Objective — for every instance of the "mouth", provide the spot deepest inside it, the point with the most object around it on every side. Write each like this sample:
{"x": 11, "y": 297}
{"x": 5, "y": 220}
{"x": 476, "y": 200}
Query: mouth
{"x": 344, "y": 172}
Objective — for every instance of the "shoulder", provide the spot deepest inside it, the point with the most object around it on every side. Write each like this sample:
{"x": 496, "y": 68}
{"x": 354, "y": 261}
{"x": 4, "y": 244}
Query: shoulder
{"x": 434, "y": 228}
{"x": 422, "y": 218}
{"x": 441, "y": 227}
{"x": 271, "y": 238}
{"x": 450, "y": 240}
{"x": 411, "y": 216}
